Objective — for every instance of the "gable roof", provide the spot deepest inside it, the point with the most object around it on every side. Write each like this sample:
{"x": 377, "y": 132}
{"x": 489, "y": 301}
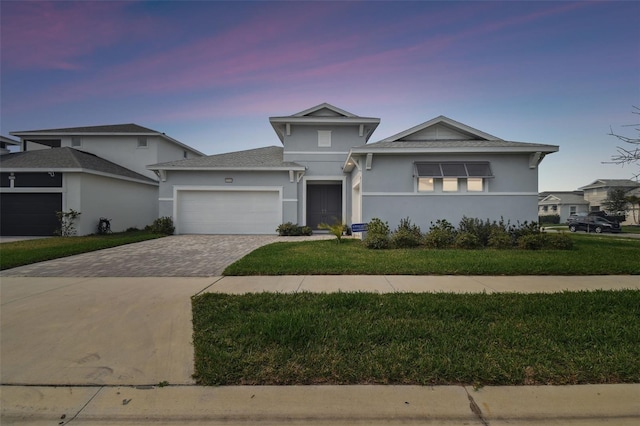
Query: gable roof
{"x": 444, "y": 122}
{"x": 611, "y": 183}
{"x": 66, "y": 160}
{"x": 129, "y": 129}
{"x": 442, "y": 135}
{"x": 564, "y": 197}
{"x": 324, "y": 114}
{"x": 268, "y": 159}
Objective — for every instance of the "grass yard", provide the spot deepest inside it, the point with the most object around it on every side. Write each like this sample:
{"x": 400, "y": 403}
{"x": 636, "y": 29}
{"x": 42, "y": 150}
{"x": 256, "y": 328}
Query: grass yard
{"x": 592, "y": 255}
{"x": 424, "y": 339}
{"x": 31, "y": 251}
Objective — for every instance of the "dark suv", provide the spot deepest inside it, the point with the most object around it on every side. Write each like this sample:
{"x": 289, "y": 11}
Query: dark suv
{"x": 593, "y": 223}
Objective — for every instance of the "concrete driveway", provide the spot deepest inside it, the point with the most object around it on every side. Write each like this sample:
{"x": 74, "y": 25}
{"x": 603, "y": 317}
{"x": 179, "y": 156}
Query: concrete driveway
{"x": 117, "y": 316}
{"x": 173, "y": 256}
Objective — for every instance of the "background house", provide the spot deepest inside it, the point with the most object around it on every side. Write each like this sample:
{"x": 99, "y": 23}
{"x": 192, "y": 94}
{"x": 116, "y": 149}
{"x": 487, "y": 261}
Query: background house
{"x": 326, "y": 172}
{"x": 98, "y": 171}
{"x": 589, "y": 198}
{"x": 563, "y": 203}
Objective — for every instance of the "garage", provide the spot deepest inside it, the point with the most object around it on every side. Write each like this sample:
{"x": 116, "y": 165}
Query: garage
{"x": 236, "y": 211}
{"x": 29, "y": 214}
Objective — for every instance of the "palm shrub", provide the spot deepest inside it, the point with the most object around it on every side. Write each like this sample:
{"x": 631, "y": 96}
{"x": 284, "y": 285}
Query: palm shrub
{"x": 406, "y": 235}
{"x": 336, "y": 229}
{"x": 377, "y": 235}
{"x": 441, "y": 234}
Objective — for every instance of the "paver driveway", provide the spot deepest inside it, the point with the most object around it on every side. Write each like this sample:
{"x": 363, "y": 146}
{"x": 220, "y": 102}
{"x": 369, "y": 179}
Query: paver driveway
{"x": 174, "y": 256}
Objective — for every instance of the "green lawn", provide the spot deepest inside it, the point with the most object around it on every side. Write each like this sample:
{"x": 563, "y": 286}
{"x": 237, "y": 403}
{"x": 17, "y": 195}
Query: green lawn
{"x": 31, "y": 251}
{"x": 424, "y": 339}
{"x": 592, "y": 255}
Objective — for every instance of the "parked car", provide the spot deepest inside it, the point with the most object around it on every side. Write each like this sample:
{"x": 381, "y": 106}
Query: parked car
{"x": 593, "y": 224}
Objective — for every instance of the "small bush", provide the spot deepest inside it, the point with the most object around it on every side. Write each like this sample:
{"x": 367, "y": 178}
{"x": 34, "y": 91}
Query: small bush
{"x": 406, "y": 235}
{"x": 467, "y": 240}
{"x": 377, "y": 235}
{"x": 162, "y": 225}
{"x": 442, "y": 234}
{"x": 292, "y": 230}
{"x": 336, "y": 229}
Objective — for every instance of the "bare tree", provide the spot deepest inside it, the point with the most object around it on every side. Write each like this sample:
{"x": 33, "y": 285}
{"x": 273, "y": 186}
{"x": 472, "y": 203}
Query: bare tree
{"x": 628, "y": 154}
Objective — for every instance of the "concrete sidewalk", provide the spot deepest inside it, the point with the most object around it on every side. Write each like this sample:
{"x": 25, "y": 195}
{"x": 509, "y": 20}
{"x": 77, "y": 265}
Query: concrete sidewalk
{"x": 94, "y": 350}
{"x": 322, "y": 405}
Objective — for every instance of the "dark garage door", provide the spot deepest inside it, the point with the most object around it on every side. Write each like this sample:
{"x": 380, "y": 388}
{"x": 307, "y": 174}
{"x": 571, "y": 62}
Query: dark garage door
{"x": 29, "y": 214}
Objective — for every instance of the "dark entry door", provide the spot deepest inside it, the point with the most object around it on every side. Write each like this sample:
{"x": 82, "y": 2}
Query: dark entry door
{"x": 29, "y": 213}
{"x": 324, "y": 204}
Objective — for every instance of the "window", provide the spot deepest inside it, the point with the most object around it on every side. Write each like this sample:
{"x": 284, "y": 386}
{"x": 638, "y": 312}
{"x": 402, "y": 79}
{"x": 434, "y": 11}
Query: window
{"x": 425, "y": 185}
{"x": 324, "y": 138}
{"x": 142, "y": 142}
{"x": 449, "y": 184}
{"x": 184, "y": 154}
{"x": 572, "y": 210}
{"x": 545, "y": 208}
{"x": 76, "y": 141}
{"x": 450, "y": 172}
{"x": 475, "y": 185}
{"x": 554, "y": 207}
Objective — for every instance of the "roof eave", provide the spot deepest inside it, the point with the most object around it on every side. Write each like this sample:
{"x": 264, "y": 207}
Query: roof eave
{"x": 547, "y": 149}
{"x": 237, "y": 169}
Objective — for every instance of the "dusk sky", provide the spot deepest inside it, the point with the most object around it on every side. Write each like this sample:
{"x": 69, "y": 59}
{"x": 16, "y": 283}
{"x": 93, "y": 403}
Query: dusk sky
{"x": 211, "y": 73}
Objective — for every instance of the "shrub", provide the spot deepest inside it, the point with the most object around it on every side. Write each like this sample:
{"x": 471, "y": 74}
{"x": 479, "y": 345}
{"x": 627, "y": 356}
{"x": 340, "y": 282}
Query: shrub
{"x": 481, "y": 229}
{"x": 67, "y": 223}
{"x": 441, "y": 235}
{"x": 162, "y": 225}
{"x": 532, "y": 241}
{"x": 551, "y": 219}
{"x": 500, "y": 239}
{"x": 467, "y": 240}
{"x": 292, "y": 230}
{"x": 559, "y": 241}
{"x": 377, "y": 235}
{"x": 406, "y": 235}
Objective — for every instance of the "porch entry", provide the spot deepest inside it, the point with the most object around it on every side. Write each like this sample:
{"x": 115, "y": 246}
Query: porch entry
{"x": 324, "y": 203}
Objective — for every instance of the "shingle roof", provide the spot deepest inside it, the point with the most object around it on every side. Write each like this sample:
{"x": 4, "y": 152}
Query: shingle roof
{"x": 65, "y": 158}
{"x": 565, "y": 198}
{"x": 259, "y": 158}
{"x": 112, "y": 128}
{"x": 611, "y": 183}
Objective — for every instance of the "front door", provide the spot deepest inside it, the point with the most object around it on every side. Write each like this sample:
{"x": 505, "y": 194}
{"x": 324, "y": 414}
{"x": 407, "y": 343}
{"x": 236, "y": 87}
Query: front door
{"x": 324, "y": 204}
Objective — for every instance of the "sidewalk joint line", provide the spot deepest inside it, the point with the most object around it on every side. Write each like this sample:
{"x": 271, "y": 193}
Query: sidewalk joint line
{"x": 84, "y": 406}
{"x": 304, "y": 277}
{"x": 204, "y": 289}
{"x": 390, "y": 285}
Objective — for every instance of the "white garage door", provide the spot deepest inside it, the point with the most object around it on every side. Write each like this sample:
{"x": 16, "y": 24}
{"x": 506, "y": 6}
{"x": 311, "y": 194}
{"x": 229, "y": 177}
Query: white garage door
{"x": 228, "y": 212}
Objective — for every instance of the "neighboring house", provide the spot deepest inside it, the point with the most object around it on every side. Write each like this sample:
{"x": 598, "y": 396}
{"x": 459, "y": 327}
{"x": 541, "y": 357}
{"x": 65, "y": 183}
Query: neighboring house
{"x": 563, "y": 203}
{"x": 596, "y": 192}
{"x": 98, "y": 171}
{"x": 326, "y": 172}
{"x": 5, "y": 143}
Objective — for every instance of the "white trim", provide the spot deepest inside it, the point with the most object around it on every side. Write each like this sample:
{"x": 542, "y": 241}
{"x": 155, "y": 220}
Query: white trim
{"x": 165, "y": 199}
{"x": 444, "y": 194}
{"x": 342, "y": 179}
{"x": 5, "y": 190}
{"x": 248, "y": 169}
{"x": 289, "y": 200}
{"x": 459, "y": 149}
{"x": 190, "y": 188}
{"x": 79, "y": 170}
{"x": 316, "y": 152}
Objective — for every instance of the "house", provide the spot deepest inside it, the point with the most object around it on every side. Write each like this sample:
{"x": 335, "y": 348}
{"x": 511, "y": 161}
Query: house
{"x": 99, "y": 171}
{"x": 597, "y": 191}
{"x": 6, "y": 143}
{"x": 325, "y": 171}
{"x": 563, "y": 204}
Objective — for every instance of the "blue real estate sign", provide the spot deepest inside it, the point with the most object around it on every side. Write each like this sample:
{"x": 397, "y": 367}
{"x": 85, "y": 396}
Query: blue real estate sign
{"x": 358, "y": 227}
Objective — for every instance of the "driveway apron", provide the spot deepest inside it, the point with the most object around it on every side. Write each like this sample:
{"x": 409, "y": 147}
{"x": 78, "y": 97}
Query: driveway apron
{"x": 173, "y": 256}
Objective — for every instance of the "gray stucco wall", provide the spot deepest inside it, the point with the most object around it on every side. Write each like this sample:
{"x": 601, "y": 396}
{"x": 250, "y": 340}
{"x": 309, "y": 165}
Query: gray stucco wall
{"x": 389, "y": 191}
